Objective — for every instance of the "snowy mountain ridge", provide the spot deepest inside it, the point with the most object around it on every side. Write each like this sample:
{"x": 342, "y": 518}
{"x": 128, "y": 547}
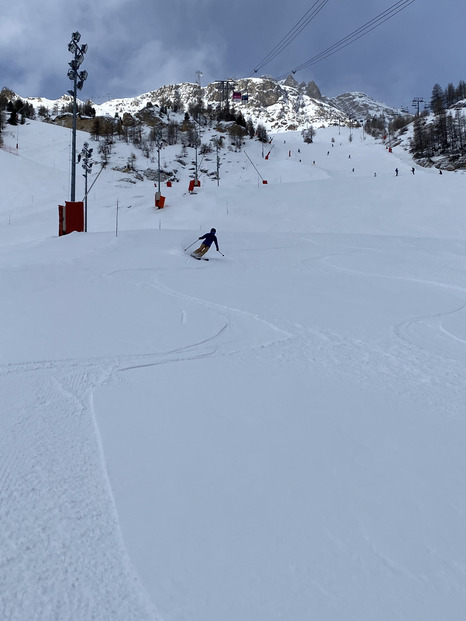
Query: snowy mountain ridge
{"x": 361, "y": 107}
{"x": 279, "y": 106}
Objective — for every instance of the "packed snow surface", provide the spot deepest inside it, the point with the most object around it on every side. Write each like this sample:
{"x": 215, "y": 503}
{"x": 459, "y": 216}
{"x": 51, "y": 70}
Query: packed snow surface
{"x": 277, "y": 433}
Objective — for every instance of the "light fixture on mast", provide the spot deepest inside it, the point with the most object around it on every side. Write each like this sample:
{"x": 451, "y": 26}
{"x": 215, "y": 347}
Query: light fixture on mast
{"x": 78, "y": 78}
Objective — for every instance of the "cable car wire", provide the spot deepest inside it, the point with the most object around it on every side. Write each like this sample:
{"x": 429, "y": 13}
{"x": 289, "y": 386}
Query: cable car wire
{"x": 355, "y": 35}
{"x": 292, "y": 34}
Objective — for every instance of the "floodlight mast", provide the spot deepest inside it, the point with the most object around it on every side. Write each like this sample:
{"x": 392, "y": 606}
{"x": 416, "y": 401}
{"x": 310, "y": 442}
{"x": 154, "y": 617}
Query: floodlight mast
{"x": 78, "y": 78}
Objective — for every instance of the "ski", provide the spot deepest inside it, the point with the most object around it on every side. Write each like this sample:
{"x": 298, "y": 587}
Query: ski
{"x": 199, "y": 258}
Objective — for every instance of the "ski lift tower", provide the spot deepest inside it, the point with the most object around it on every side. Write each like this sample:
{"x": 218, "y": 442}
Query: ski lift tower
{"x": 224, "y": 87}
{"x": 417, "y": 102}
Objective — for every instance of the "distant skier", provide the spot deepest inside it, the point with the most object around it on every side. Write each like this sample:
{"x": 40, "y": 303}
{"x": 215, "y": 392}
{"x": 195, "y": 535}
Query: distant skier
{"x": 209, "y": 239}
{"x": 413, "y": 169}
{"x": 396, "y": 172}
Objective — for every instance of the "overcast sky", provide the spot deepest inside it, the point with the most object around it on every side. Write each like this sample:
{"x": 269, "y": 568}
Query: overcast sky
{"x": 139, "y": 45}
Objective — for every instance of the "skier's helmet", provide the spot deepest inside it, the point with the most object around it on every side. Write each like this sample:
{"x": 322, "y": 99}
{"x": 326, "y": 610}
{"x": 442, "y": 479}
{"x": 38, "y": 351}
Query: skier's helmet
{"x": 213, "y": 230}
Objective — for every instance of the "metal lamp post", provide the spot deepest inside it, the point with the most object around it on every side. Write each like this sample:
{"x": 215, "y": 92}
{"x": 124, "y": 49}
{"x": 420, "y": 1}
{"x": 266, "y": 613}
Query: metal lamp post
{"x": 159, "y": 144}
{"x": 78, "y": 78}
{"x": 197, "y": 143}
{"x": 87, "y": 166}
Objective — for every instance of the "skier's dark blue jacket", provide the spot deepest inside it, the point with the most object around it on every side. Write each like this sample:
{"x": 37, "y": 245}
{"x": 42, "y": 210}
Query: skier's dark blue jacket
{"x": 209, "y": 239}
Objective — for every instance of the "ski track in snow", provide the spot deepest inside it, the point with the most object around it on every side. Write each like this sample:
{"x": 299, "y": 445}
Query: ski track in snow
{"x": 430, "y": 329}
{"x": 65, "y": 540}
{"x": 331, "y": 351}
{"x": 228, "y": 344}
{"x": 49, "y": 457}
{"x": 416, "y": 330}
{"x": 422, "y": 349}
{"x": 329, "y": 348}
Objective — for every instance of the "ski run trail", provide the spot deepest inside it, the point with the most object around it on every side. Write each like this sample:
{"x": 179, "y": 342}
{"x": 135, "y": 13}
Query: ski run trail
{"x": 277, "y": 433}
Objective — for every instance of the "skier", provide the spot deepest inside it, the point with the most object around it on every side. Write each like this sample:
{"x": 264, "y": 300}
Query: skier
{"x": 413, "y": 169}
{"x": 209, "y": 239}
{"x": 396, "y": 172}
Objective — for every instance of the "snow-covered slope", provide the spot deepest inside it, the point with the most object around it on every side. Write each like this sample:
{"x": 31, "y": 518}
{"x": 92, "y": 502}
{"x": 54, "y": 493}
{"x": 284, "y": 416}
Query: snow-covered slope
{"x": 361, "y": 107}
{"x": 274, "y": 434}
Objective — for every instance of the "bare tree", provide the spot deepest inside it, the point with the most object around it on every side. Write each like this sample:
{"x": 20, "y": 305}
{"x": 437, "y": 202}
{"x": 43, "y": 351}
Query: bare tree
{"x": 308, "y": 134}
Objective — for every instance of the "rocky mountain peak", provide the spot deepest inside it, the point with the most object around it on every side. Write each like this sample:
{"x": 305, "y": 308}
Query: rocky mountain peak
{"x": 278, "y": 105}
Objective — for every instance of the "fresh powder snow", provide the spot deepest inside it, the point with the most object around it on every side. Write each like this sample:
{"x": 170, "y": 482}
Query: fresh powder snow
{"x": 275, "y": 434}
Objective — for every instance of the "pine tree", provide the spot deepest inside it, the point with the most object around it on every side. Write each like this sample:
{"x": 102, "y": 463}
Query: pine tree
{"x": 461, "y": 91}
{"x": 96, "y": 129}
{"x": 450, "y": 95}
{"x": 437, "y": 101}
{"x": 261, "y": 133}
{"x": 250, "y": 128}
{"x": 419, "y": 139}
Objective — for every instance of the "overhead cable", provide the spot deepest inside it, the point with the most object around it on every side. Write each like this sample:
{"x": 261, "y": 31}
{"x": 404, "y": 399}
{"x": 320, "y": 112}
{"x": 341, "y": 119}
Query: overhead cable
{"x": 291, "y": 35}
{"x": 355, "y": 35}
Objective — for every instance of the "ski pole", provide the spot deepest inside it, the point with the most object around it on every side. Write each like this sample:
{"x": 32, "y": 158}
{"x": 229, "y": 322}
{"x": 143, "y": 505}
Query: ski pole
{"x": 221, "y": 253}
{"x": 191, "y": 245}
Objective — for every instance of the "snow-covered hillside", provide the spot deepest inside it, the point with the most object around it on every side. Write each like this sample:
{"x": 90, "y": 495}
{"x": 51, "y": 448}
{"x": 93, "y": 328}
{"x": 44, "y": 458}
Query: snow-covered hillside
{"x": 279, "y": 106}
{"x": 361, "y": 107}
{"x": 277, "y": 433}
